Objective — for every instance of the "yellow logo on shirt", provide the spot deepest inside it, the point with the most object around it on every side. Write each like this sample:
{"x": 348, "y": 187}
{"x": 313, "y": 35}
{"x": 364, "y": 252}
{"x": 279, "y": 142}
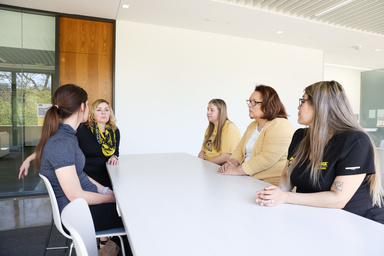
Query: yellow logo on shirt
{"x": 323, "y": 165}
{"x": 208, "y": 146}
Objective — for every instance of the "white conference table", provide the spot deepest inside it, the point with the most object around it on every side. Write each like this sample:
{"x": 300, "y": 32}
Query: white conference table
{"x": 176, "y": 204}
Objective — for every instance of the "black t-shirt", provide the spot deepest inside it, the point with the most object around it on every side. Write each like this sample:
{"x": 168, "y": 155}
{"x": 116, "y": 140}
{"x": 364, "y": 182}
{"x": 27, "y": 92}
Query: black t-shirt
{"x": 348, "y": 153}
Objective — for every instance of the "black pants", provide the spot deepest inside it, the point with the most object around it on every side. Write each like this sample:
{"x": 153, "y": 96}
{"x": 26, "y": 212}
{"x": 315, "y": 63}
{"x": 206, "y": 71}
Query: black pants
{"x": 105, "y": 217}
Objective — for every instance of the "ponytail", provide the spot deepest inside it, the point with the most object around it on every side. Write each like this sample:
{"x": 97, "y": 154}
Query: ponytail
{"x": 66, "y": 101}
{"x": 50, "y": 126}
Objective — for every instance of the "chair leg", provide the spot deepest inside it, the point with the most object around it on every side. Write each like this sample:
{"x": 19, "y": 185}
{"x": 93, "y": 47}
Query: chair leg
{"x": 49, "y": 236}
{"x": 55, "y": 248}
{"x": 70, "y": 249}
{"x": 68, "y": 242}
{"x": 122, "y": 245}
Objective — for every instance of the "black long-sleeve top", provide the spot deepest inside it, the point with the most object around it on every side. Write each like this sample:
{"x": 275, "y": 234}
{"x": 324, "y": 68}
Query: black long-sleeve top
{"x": 95, "y": 161}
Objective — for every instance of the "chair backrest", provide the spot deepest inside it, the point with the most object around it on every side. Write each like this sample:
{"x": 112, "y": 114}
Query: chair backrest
{"x": 77, "y": 218}
{"x": 55, "y": 207}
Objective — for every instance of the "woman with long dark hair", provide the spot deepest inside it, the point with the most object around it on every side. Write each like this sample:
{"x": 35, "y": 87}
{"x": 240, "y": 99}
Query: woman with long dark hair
{"x": 59, "y": 158}
{"x": 332, "y": 163}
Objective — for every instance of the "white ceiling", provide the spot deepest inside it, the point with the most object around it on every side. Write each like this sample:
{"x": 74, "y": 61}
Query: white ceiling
{"x": 256, "y": 19}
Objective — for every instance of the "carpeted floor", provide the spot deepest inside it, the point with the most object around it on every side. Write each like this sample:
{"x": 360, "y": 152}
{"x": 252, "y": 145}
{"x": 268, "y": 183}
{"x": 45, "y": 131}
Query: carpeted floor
{"x": 31, "y": 242}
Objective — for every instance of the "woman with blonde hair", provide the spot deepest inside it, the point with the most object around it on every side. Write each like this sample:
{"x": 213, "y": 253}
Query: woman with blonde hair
{"x": 99, "y": 139}
{"x": 263, "y": 148}
{"x": 332, "y": 163}
{"x": 221, "y": 136}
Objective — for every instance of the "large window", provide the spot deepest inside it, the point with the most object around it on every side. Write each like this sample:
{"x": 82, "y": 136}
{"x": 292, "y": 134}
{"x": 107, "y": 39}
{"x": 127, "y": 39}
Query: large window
{"x": 372, "y": 105}
{"x": 27, "y": 65}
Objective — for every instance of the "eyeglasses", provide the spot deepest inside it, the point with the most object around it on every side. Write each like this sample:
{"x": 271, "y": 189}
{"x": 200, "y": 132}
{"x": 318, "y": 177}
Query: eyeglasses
{"x": 253, "y": 103}
{"x": 301, "y": 101}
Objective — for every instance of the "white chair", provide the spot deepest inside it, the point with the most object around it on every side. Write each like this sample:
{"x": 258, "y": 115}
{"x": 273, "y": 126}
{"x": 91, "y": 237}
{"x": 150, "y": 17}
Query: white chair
{"x": 77, "y": 218}
{"x": 57, "y": 220}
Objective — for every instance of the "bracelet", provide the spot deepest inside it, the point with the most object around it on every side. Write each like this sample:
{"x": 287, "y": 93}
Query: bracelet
{"x": 116, "y": 157}
{"x": 105, "y": 190}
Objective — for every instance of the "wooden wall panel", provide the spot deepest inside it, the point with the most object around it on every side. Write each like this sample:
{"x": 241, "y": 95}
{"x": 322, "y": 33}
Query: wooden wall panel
{"x": 86, "y": 56}
{"x": 91, "y": 72}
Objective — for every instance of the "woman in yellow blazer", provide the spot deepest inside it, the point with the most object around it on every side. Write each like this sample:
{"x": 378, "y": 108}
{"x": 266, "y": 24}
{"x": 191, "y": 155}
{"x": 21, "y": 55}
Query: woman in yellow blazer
{"x": 262, "y": 151}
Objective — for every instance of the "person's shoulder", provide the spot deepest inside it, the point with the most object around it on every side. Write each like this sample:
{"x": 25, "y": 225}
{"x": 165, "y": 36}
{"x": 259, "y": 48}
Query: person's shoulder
{"x": 353, "y": 135}
{"x": 353, "y": 140}
{"x": 60, "y": 152}
{"x": 83, "y": 128}
{"x": 59, "y": 144}
{"x": 230, "y": 125}
{"x": 298, "y": 136}
{"x": 252, "y": 125}
{"x": 281, "y": 124}
{"x": 117, "y": 131}
{"x": 281, "y": 121}
{"x": 300, "y": 133}
{"x": 359, "y": 134}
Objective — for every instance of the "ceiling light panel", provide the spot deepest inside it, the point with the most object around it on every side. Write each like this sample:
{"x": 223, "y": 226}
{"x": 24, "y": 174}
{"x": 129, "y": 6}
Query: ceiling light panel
{"x": 360, "y": 15}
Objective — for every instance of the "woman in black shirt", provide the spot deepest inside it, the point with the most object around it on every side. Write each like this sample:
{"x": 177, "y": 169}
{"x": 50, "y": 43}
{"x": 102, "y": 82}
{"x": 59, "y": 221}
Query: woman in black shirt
{"x": 332, "y": 162}
{"x": 99, "y": 139}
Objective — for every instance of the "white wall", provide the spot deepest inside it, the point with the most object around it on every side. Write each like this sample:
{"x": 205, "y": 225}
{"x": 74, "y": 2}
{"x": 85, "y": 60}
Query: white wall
{"x": 166, "y": 76}
{"x": 350, "y": 79}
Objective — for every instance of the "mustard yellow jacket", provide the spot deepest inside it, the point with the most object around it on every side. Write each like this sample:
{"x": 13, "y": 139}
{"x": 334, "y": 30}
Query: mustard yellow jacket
{"x": 269, "y": 154}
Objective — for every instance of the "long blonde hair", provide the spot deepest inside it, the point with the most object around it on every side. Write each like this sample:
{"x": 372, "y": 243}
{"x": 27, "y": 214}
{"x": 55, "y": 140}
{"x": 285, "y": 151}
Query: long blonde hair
{"x": 223, "y": 117}
{"x": 332, "y": 115}
{"x": 111, "y": 124}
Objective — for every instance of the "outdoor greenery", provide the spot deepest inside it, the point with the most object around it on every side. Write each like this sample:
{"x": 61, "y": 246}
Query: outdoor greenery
{"x": 31, "y": 89}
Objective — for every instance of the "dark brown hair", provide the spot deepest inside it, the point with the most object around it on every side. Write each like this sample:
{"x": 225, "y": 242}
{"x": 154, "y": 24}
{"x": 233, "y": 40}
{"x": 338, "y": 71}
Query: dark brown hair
{"x": 272, "y": 105}
{"x": 66, "y": 100}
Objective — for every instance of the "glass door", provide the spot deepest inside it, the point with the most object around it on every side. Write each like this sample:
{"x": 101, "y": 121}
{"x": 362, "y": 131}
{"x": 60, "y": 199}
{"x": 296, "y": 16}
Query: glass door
{"x": 27, "y": 65}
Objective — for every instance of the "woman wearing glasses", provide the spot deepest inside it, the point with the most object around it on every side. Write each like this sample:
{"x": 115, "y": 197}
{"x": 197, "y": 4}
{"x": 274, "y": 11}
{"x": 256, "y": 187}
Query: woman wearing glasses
{"x": 333, "y": 162}
{"x": 221, "y": 136}
{"x": 262, "y": 150}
